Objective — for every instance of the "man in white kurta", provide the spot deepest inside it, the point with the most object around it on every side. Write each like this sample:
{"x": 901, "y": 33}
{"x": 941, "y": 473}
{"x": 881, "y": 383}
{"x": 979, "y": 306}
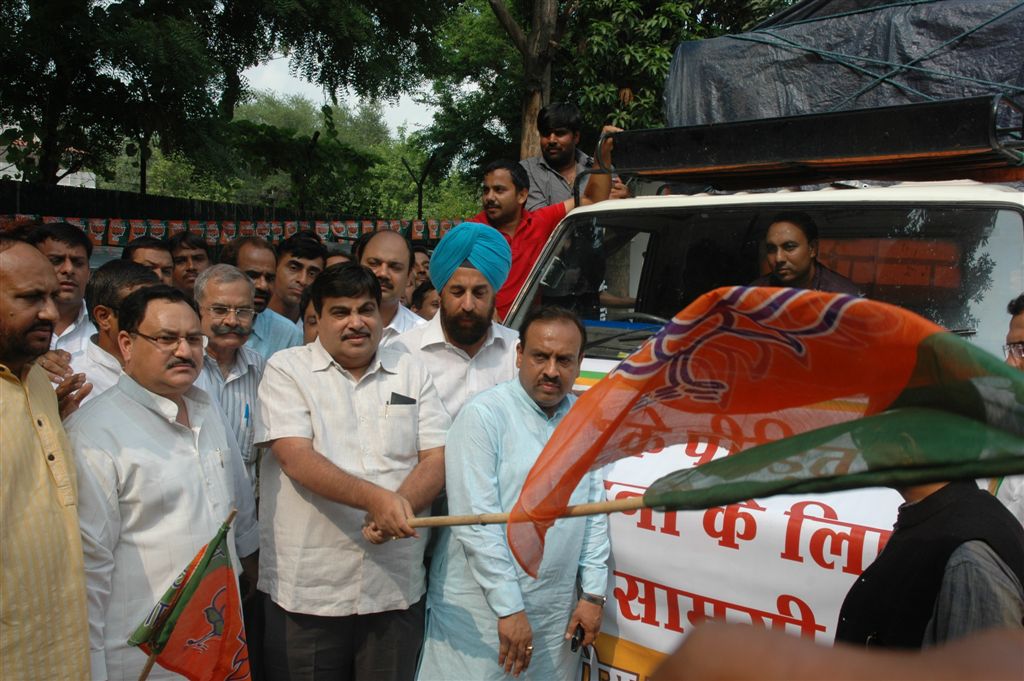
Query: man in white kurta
{"x": 107, "y": 288}
{"x": 389, "y": 255}
{"x": 486, "y": 618}
{"x": 1010, "y": 489}
{"x": 156, "y": 478}
{"x": 357, "y": 440}
{"x": 466, "y": 351}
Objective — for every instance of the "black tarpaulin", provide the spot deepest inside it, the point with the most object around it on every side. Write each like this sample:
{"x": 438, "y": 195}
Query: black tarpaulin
{"x": 823, "y": 56}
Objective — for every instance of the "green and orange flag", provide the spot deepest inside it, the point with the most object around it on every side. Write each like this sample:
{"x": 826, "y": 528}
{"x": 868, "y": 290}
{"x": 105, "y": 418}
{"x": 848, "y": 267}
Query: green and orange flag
{"x": 818, "y": 391}
{"x": 196, "y": 629}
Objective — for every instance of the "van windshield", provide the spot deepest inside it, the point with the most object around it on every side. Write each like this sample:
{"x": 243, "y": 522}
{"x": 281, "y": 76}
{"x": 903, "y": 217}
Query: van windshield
{"x": 627, "y": 272}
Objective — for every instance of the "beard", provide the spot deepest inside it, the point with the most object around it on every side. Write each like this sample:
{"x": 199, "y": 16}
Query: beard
{"x": 16, "y": 346}
{"x": 466, "y": 328}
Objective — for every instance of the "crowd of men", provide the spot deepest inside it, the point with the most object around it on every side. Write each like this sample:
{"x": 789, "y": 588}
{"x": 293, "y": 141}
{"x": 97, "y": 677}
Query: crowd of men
{"x": 329, "y": 397}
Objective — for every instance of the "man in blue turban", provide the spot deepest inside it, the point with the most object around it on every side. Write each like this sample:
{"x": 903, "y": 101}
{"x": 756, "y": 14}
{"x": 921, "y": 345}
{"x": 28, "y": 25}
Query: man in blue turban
{"x": 464, "y": 349}
{"x": 476, "y": 244}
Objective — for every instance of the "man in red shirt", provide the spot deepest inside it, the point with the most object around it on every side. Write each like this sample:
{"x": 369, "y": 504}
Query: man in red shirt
{"x": 505, "y": 189}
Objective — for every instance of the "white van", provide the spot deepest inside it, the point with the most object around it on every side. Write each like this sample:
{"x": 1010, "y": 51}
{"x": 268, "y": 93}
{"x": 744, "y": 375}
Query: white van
{"x": 952, "y": 252}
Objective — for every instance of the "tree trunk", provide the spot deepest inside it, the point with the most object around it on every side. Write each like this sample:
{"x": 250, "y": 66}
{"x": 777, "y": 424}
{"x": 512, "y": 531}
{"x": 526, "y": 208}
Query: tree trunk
{"x": 534, "y": 99}
{"x": 537, "y": 50}
{"x": 48, "y": 168}
{"x": 529, "y": 143}
{"x": 143, "y": 162}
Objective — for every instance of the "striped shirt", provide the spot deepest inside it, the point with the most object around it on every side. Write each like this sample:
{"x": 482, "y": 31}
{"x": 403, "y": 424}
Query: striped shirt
{"x": 44, "y": 634}
{"x": 236, "y": 395}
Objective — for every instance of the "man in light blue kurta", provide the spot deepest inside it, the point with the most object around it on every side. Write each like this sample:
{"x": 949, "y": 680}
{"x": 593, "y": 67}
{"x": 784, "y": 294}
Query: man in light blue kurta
{"x": 481, "y": 606}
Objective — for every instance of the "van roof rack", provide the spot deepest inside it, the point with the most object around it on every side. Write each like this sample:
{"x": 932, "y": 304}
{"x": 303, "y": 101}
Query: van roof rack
{"x": 979, "y": 138}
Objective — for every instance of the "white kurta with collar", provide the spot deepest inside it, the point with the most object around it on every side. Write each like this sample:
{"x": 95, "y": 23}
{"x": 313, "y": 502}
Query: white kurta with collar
{"x": 313, "y": 557}
{"x": 101, "y": 369}
{"x": 405, "y": 319}
{"x": 75, "y": 339}
{"x": 152, "y": 493}
{"x": 456, "y": 375}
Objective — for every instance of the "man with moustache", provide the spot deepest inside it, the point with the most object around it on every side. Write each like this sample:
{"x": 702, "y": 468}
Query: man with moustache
{"x": 553, "y": 173}
{"x": 107, "y": 288}
{"x": 157, "y": 477}
{"x": 487, "y": 619}
{"x": 231, "y": 372}
{"x": 357, "y": 439}
{"x": 41, "y": 581}
{"x": 390, "y": 257}
{"x": 464, "y": 349}
{"x": 1010, "y": 489}
{"x": 152, "y": 253}
{"x": 791, "y": 247}
{"x": 190, "y": 256}
{"x": 506, "y": 187}
{"x": 300, "y": 258}
{"x": 270, "y": 331}
{"x": 68, "y": 249}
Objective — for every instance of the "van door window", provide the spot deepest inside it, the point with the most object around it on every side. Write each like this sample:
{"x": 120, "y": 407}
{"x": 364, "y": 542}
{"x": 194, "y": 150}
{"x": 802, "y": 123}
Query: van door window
{"x": 625, "y": 272}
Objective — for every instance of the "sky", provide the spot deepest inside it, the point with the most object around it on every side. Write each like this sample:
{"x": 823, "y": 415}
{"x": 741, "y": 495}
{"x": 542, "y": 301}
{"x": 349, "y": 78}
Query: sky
{"x": 273, "y": 75}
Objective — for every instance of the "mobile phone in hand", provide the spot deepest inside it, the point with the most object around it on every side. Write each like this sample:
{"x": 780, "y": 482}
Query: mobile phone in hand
{"x": 577, "y": 637}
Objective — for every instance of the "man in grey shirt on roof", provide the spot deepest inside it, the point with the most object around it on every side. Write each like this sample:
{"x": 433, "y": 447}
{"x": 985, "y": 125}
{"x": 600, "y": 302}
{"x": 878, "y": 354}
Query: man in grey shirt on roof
{"x": 553, "y": 173}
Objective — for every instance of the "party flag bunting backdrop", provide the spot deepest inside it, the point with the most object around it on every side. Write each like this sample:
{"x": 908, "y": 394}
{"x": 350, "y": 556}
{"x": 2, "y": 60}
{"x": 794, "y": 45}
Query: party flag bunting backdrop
{"x": 819, "y": 392}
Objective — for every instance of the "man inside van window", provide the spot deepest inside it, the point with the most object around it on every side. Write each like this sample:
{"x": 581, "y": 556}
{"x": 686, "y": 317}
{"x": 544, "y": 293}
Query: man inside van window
{"x": 791, "y": 248}
{"x": 1010, "y": 489}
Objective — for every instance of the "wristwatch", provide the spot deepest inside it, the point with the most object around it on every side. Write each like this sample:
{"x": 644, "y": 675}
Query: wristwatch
{"x": 594, "y": 598}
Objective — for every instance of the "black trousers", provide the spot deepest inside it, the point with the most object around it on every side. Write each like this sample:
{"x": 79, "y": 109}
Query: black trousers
{"x": 384, "y": 646}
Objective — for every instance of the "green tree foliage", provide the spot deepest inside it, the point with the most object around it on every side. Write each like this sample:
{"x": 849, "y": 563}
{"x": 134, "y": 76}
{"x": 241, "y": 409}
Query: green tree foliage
{"x": 55, "y": 93}
{"x": 169, "y": 77}
{"x": 285, "y": 152}
{"x": 612, "y": 60}
{"x": 455, "y": 195}
{"x": 373, "y": 47}
{"x": 80, "y": 75}
{"x": 474, "y": 85}
{"x": 622, "y": 50}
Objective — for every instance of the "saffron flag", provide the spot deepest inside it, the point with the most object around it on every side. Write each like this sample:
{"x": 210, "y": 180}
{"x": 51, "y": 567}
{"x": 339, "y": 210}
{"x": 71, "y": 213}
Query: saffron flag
{"x": 196, "y": 628}
{"x": 819, "y": 391}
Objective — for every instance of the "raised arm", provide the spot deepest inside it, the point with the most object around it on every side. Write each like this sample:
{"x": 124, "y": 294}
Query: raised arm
{"x": 599, "y": 185}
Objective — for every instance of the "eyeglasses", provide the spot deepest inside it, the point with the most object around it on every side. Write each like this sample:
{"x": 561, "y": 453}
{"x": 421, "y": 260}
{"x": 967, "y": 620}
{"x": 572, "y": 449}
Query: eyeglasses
{"x": 243, "y": 314}
{"x": 169, "y": 343}
{"x": 1015, "y": 350}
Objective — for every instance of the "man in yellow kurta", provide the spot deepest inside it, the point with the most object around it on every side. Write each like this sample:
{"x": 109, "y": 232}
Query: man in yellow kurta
{"x": 43, "y": 624}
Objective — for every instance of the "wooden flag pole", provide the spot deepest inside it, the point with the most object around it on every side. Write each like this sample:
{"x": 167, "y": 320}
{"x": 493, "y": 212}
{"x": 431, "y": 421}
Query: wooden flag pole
{"x": 148, "y": 668}
{"x": 627, "y": 504}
